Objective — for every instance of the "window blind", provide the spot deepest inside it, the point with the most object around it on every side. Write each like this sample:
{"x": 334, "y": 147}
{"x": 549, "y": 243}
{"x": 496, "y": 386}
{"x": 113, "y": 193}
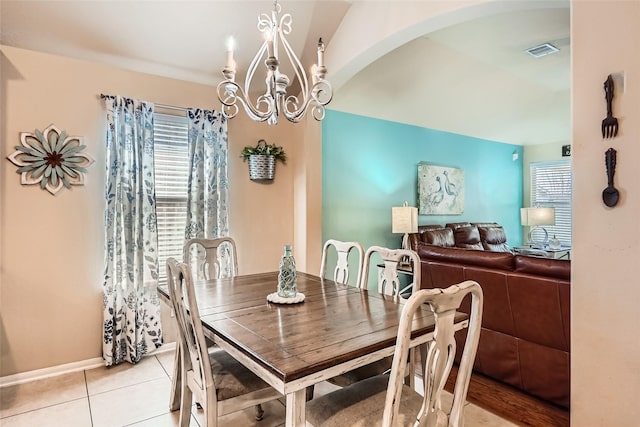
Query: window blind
{"x": 172, "y": 174}
{"x": 551, "y": 187}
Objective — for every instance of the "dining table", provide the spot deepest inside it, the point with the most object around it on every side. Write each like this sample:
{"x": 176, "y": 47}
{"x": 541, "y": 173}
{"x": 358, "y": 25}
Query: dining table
{"x": 292, "y": 346}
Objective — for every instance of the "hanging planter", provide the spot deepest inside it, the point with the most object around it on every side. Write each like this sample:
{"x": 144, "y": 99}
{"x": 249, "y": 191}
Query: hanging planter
{"x": 262, "y": 160}
{"x": 261, "y": 166}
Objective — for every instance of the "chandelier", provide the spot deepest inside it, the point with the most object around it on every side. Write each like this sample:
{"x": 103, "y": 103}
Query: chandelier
{"x": 276, "y": 100}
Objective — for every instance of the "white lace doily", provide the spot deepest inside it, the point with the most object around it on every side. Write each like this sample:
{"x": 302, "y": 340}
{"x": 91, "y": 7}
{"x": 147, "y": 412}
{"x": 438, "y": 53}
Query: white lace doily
{"x": 281, "y": 300}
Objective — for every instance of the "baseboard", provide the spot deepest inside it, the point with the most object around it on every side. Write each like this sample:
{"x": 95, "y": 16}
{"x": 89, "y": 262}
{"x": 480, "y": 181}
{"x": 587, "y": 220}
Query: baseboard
{"x": 53, "y": 371}
{"x": 39, "y": 374}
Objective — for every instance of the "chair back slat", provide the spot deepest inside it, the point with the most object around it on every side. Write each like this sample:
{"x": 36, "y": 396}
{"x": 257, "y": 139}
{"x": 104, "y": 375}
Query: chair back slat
{"x": 204, "y": 257}
{"x": 437, "y": 356}
{"x": 194, "y": 346}
{"x": 388, "y": 278}
{"x": 341, "y": 272}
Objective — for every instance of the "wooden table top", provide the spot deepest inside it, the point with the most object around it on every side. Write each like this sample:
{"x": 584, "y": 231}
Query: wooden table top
{"x": 335, "y": 323}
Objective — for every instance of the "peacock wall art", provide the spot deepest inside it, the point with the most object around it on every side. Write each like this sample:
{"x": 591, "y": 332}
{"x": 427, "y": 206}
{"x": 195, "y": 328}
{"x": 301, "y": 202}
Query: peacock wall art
{"x": 440, "y": 190}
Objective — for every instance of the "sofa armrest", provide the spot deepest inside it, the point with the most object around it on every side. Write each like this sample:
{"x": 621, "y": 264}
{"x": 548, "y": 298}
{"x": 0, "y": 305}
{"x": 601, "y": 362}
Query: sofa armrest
{"x": 414, "y": 239}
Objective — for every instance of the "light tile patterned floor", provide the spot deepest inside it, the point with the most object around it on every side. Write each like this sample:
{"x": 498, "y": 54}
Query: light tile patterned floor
{"x": 135, "y": 395}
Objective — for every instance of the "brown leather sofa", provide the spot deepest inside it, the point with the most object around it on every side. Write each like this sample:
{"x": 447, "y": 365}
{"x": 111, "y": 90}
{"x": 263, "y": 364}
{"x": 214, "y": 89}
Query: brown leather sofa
{"x": 525, "y": 338}
{"x": 488, "y": 236}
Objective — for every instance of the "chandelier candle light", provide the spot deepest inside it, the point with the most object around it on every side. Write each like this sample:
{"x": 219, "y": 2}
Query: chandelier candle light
{"x": 275, "y": 100}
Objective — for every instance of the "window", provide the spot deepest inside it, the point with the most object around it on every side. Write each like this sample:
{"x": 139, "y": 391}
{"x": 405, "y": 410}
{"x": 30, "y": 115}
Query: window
{"x": 551, "y": 187}
{"x": 172, "y": 174}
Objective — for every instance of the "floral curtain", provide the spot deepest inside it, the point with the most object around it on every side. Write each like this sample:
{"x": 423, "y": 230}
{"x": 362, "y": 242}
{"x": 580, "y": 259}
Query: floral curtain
{"x": 207, "y": 207}
{"x": 131, "y": 326}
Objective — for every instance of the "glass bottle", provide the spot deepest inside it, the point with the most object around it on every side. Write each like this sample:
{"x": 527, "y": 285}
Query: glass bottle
{"x": 287, "y": 287}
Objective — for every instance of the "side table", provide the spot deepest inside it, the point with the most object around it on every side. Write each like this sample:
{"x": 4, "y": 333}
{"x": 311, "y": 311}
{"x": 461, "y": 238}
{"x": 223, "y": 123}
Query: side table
{"x": 546, "y": 252}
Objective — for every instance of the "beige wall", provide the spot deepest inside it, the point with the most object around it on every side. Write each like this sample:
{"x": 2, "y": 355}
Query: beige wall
{"x": 605, "y": 354}
{"x": 261, "y": 215}
{"x": 51, "y": 249}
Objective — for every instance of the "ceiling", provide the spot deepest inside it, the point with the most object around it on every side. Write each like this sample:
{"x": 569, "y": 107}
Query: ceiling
{"x": 472, "y": 78}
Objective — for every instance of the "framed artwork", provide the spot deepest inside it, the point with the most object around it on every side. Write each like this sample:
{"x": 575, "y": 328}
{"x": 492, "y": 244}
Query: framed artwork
{"x": 440, "y": 190}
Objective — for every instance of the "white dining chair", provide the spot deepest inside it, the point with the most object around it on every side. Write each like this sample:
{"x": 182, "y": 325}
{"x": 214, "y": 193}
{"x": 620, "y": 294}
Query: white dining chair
{"x": 204, "y": 255}
{"x": 388, "y": 283}
{"x": 384, "y": 400}
{"x": 343, "y": 249}
{"x": 388, "y": 279}
{"x": 219, "y": 383}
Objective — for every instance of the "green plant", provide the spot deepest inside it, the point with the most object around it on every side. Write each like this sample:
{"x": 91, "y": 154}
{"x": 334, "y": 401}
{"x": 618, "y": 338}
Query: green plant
{"x": 263, "y": 148}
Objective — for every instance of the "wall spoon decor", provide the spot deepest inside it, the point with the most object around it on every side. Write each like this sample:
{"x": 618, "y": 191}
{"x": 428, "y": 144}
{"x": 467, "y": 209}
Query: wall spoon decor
{"x": 610, "y": 195}
{"x": 51, "y": 158}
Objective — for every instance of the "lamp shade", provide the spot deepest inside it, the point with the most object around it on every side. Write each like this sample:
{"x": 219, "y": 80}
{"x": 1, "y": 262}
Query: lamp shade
{"x": 537, "y": 216}
{"x": 404, "y": 219}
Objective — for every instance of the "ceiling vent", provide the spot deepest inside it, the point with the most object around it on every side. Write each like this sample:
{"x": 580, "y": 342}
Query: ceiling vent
{"x": 542, "y": 50}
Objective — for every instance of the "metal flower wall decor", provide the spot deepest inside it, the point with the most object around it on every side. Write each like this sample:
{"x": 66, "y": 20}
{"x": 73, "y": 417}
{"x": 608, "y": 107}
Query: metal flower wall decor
{"x": 51, "y": 158}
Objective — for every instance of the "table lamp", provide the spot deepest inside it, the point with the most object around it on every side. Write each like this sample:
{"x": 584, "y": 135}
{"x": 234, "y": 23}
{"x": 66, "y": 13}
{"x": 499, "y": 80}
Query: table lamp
{"x": 404, "y": 219}
{"x": 536, "y": 218}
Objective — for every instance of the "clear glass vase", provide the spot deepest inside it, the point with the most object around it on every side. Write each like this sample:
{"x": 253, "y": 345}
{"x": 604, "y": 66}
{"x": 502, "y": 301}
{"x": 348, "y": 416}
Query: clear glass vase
{"x": 287, "y": 287}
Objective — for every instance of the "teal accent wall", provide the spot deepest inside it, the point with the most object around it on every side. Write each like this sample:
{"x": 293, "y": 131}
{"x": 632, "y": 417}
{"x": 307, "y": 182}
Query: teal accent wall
{"x": 370, "y": 165}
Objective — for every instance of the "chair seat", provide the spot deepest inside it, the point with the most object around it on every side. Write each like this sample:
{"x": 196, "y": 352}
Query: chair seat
{"x": 371, "y": 370}
{"x": 231, "y": 377}
{"x": 361, "y": 404}
{"x": 210, "y": 376}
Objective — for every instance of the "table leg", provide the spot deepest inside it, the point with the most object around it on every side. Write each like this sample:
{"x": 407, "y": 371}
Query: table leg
{"x": 296, "y": 406}
{"x": 176, "y": 379}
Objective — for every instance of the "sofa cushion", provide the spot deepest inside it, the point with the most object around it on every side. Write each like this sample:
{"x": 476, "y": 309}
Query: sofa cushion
{"x": 441, "y": 237}
{"x": 454, "y": 225}
{"x": 485, "y": 224}
{"x": 493, "y": 238}
{"x": 425, "y": 227}
{"x": 414, "y": 238}
{"x": 500, "y": 260}
{"x": 467, "y": 237}
{"x": 549, "y": 267}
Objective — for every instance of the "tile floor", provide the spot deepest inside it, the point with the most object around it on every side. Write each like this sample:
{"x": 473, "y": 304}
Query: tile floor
{"x": 135, "y": 395}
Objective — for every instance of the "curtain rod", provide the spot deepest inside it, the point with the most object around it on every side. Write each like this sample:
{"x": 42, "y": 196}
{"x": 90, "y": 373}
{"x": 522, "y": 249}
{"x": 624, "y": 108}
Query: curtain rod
{"x": 168, "y": 107}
